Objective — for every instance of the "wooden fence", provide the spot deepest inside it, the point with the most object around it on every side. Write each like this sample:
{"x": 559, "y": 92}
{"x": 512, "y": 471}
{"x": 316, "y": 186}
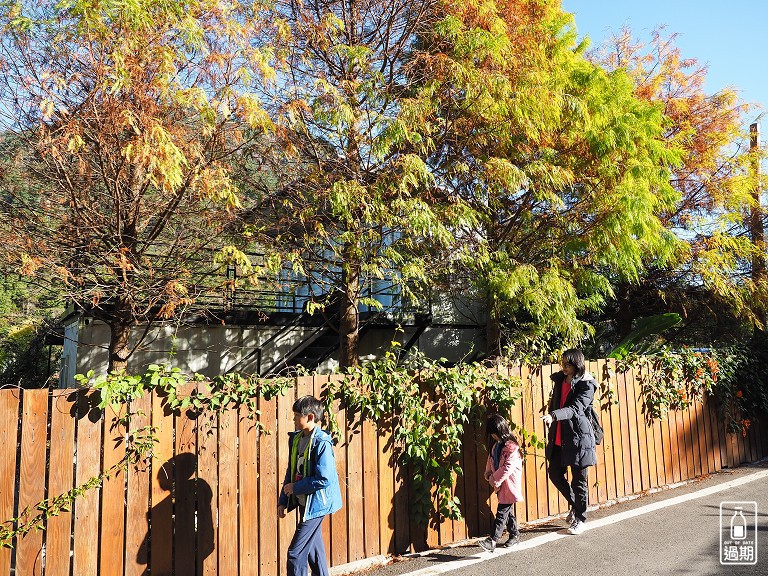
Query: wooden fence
{"x": 206, "y": 503}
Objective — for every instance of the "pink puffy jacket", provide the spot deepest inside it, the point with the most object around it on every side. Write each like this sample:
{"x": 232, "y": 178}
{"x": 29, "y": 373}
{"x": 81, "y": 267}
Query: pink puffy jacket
{"x": 507, "y": 478}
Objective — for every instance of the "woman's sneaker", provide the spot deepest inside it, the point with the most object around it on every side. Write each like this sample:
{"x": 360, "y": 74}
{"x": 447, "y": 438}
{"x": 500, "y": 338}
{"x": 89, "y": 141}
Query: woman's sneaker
{"x": 511, "y": 541}
{"x": 487, "y": 544}
{"x": 577, "y": 527}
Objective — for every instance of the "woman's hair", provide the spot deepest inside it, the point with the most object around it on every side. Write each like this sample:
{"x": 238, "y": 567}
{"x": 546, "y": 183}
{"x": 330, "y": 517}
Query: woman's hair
{"x": 575, "y": 358}
{"x": 496, "y": 424}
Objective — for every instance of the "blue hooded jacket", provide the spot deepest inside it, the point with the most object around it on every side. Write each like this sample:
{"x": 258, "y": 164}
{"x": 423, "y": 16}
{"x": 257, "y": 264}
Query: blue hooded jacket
{"x": 321, "y": 484}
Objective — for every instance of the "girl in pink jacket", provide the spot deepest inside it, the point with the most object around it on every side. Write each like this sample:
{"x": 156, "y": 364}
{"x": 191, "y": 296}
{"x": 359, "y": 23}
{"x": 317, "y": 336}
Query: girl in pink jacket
{"x": 503, "y": 471}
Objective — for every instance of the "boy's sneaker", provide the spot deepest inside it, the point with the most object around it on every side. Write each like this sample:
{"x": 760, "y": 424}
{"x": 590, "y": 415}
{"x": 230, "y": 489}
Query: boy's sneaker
{"x": 571, "y": 516}
{"x": 511, "y": 541}
{"x": 487, "y": 544}
{"x": 577, "y": 527}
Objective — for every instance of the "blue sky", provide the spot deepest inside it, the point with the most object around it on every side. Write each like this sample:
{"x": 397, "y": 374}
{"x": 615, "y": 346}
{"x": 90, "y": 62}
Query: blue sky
{"x": 728, "y": 36}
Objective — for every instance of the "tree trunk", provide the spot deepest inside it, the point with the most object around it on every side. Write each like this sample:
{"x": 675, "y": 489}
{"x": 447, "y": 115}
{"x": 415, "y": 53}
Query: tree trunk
{"x": 349, "y": 325}
{"x": 119, "y": 349}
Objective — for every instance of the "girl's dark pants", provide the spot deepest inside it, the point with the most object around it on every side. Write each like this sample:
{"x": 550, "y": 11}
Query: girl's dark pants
{"x": 307, "y": 547}
{"x": 577, "y": 491}
{"x": 505, "y": 516}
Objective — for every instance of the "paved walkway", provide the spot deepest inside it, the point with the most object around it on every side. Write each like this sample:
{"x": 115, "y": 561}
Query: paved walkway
{"x": 674, "y": 531}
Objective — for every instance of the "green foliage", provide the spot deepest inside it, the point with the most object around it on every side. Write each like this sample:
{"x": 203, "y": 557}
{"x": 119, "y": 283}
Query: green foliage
{"x": 637, "y": 341}
{"x": 564, "y": 168}
{"x": 742, "y": 394}
{"x": 228, "y": 391}
{"x": 25, "y": 320}
{"x": 428, "y": 407}
{"x": 670, "y": 379}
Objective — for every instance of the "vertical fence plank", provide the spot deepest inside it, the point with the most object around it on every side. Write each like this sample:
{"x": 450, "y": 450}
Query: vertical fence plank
{"x": 162, "y": 480}
{"x": 637, "y": 432}
{"x": 604, "y": 381}
{"x": 759, "y": 441}
{"x": 711, "y": 414}
{"x": 534, "y": 454}
{"x": 626, "y": 442}
{"x": 666, "y": 446}
{"x": 354, "y": 477}
{"x": 85, "y": 553}
{"x": 690, "y": 446}
{"x": 458, "y": 526}
{"x": 34, "y": 427}
{"x": 714, "y": 449}
{"x": 730, "y": 447}
{"x": 137, "y": 498}
{"x": 185, "y": 489}
{"x": 207, "y": 471}
{"x": 517, "y": 417}
{"x": 682, "y": 444}
{"x": 555, "y": 503}
{"x": 386, "y": 491}
{"x": 9, "y": 423}
{"x": 484, "y": 490}
{"x": 284, "y": 425}
{"x": 61, "y": 480}
{"x": 615, "y": 436}
{"x": 319, "y": 384}
{"x": 112, "y": 525}
{"x": 695, "y": 443}
{"x": 270, "y": 481}
{"x": 248, "y": 486}
{"x": 402, "y": 515}
{"x": 676, "y": 444}
{"x": 472, "y": 479}
{"x": 542, "y": 485}
{"x": 647, "y": 440}
{"x": 600, "y": 476}
{"x": 753, "y": 439}
{"x": 228, "y": 541}
{"x": 371, "y": 483}
{"x": 658, "y": 453}
{"x": 746, "y": 445}
{"x": 705, "y": 440}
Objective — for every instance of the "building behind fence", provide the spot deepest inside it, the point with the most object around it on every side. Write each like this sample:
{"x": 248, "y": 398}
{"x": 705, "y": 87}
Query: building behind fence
{"x": 207, "y": 501}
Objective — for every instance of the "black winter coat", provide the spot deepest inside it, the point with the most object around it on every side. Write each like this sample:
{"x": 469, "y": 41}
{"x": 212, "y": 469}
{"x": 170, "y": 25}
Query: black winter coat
{"x": 576, "y": 435}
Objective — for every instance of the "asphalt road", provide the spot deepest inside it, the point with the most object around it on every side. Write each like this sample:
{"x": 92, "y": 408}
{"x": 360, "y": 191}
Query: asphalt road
{"x": 681, "y": 538}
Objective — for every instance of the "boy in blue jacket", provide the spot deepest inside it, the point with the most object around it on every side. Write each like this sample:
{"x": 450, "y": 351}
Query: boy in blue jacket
{"x": 312, "y": 485}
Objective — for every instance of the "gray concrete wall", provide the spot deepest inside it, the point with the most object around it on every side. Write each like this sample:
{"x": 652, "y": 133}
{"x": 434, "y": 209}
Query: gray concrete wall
{"x": 212, "y": 350}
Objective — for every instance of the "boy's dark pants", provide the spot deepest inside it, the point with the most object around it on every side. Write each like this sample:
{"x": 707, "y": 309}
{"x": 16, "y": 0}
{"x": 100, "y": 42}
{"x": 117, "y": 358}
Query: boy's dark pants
{"x": 505, "y": 516}
{"x": 577, "y": 491}
{"x": 307, "y": 547}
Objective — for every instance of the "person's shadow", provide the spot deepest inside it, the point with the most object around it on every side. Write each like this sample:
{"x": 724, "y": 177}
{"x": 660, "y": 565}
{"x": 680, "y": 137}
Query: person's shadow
{"x": 182, "y": 521}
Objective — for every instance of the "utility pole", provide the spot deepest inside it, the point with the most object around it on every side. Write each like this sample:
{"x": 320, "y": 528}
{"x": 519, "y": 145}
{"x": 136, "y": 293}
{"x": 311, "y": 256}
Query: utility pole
{"x": 756, "y": 226}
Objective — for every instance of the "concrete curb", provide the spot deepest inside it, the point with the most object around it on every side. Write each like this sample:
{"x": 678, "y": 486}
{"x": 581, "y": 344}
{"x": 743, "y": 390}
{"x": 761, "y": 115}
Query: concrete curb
{"x": 364, "y": 564}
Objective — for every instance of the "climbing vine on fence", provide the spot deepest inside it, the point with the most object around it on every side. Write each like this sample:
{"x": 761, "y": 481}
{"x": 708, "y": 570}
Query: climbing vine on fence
{"x": 671, "y": 379}
{"x": 428, "y": 406}
{"x": 138, "y": 445}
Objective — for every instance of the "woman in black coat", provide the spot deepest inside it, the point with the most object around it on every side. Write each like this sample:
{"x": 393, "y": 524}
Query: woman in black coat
{"x": 571, "y": 441}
